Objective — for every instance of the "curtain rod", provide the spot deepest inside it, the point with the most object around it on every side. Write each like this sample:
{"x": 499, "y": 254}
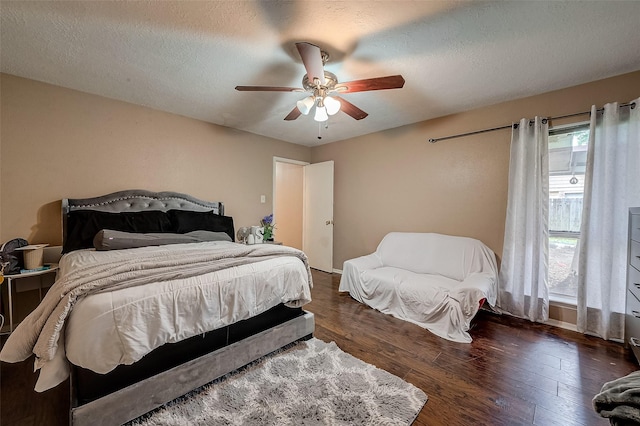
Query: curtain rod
{"x": 444, "y": 138}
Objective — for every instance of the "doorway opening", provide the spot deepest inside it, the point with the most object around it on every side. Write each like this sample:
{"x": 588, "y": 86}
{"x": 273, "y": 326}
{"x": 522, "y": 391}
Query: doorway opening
{"x": 288, "y": 201}
{"x": 303, "y": 209}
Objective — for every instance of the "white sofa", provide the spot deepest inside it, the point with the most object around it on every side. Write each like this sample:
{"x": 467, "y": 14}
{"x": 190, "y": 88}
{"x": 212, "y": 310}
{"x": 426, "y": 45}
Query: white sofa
{"x": 435, "y": 281}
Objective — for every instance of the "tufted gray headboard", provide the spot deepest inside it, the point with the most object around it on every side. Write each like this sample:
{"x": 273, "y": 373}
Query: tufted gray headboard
{"x": 136, "y": 200}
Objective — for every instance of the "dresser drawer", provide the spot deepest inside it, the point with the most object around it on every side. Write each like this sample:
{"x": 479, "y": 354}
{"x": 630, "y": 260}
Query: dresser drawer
{"x": 634, "y": 223}
{"x": 634, "y": 254}
{"x": 632, "y": 324}
{"x": 634, "y": 281}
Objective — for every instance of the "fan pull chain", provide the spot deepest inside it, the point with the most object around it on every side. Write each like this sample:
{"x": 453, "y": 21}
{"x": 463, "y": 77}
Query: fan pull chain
{"x": 326, "y": 126}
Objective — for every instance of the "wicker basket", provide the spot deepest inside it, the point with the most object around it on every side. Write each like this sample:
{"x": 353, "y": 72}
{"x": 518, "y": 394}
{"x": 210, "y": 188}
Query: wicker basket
{"x": 33, "y": 258}
{"x": 33, "y": 255}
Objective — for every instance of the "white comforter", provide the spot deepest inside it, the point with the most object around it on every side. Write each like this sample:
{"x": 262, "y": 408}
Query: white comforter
{"x": 129, "y": 302}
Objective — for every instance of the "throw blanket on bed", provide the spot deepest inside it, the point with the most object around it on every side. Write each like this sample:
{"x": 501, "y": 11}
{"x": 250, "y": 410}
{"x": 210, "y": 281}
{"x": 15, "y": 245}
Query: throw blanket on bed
{"x": 39, "y": 332}
{"x": 619, "y": 400}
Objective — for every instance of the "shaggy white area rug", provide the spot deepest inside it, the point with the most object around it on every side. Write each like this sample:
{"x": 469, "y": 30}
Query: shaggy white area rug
{"x": 308, "y": 383}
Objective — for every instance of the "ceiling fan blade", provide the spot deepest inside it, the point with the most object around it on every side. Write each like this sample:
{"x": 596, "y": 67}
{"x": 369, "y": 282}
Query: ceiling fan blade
{"x": 295, "y": 113}
{"x": 350, "y": 109}
{"x": 378, "y": 83}
{"x": 267, "y": 89}
{"x": 312, "y": 60}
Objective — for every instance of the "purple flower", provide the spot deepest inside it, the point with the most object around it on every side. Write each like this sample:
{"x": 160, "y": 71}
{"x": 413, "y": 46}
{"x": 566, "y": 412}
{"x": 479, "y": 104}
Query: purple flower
{"x": 267, "y": 223}
{"x": 267, "y": 220}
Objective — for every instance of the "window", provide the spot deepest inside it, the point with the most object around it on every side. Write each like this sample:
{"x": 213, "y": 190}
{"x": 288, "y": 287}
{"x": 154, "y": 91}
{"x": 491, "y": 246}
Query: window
{"x": 567, "y": 164}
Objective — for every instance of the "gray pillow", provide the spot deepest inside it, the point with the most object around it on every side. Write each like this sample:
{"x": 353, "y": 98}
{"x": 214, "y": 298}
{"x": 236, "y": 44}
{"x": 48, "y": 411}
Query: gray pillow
{"x": 107, "y": 239}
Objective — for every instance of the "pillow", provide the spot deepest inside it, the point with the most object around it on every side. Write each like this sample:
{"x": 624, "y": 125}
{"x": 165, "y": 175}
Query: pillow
{"x": 107, "y": 239}
{"x": 83, "y": 225}
{"x": 186, "y": 221}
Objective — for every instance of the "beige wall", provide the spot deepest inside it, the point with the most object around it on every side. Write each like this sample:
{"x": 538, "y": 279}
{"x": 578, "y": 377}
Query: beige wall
{"x": 59, "y": 143}
{"x": 397, "y": 181}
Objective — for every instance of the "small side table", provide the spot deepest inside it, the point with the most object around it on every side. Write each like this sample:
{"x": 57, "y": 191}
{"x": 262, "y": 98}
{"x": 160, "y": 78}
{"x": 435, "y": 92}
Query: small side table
{"x": 277, "y": 243}
{"x": 14, "y": 277}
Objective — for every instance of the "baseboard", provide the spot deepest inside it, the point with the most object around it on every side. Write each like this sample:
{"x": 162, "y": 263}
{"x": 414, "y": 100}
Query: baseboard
{"x": 562, "y": 324}
{"x": 337, "y": 271}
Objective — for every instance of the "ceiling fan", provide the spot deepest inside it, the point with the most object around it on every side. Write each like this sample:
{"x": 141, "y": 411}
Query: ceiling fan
{"x": 323, "y": 86}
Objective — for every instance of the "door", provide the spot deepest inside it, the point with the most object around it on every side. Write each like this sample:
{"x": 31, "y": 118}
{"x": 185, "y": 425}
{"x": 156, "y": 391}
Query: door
{"x": 317, "y": 235}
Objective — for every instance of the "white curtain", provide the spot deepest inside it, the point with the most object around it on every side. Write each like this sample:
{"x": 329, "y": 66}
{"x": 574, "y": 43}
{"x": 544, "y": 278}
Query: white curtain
{"x": 612, "y": 185}
{"x": 523, "y": 288}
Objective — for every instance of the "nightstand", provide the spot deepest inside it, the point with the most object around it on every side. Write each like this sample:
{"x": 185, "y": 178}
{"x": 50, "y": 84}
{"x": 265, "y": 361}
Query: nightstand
{"x": 9, "y": 279}
{"x": 277, "y": 243}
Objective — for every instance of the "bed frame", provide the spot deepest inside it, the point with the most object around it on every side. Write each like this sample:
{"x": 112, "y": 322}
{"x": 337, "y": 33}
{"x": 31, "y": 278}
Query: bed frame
{"x": 137, "y": 200}
{"x": 217, "y": 353}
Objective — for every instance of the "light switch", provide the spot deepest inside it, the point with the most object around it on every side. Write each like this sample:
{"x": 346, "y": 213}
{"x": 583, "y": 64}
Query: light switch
{"x": 263, "y": 199}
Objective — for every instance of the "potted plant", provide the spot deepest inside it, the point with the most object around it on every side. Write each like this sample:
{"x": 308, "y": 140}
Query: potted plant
{"x": 269, "y": 226}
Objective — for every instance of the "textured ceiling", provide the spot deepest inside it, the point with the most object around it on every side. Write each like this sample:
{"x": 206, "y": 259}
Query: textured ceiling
{"x": 186, "y": 57}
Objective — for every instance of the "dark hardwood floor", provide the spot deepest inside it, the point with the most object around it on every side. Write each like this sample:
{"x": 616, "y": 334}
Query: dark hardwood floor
{"x": 513, "y": 373}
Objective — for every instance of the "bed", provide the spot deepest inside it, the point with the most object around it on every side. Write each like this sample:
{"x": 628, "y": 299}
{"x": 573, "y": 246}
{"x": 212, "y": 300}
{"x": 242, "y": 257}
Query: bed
{"x": 147, "y": 317}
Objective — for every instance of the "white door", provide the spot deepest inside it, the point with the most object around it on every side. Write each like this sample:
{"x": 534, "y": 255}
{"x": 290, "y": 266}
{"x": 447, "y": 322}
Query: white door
{"x": 317, "y": 236}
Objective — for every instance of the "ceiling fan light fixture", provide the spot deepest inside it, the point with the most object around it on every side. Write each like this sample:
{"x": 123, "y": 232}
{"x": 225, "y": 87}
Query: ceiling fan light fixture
{"x": 321, "y": 114}
{"x": 319, "y": 83}
{"x": 305, "y": 105}
{"x": 332, "y": 105}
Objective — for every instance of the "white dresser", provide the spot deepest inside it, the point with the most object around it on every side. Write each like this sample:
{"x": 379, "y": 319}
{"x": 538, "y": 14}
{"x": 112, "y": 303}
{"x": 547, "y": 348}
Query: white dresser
{"x": 632, "y": 317}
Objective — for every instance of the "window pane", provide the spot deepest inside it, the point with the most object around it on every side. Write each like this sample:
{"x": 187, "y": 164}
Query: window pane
{"x": 567, "y": 164}
{"x": 563, "y": 265}
{"x": 565, "y": 212}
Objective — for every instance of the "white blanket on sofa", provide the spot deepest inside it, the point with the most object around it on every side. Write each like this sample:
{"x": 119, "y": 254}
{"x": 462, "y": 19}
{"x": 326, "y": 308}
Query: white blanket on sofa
{"x": 432, "y": 280}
